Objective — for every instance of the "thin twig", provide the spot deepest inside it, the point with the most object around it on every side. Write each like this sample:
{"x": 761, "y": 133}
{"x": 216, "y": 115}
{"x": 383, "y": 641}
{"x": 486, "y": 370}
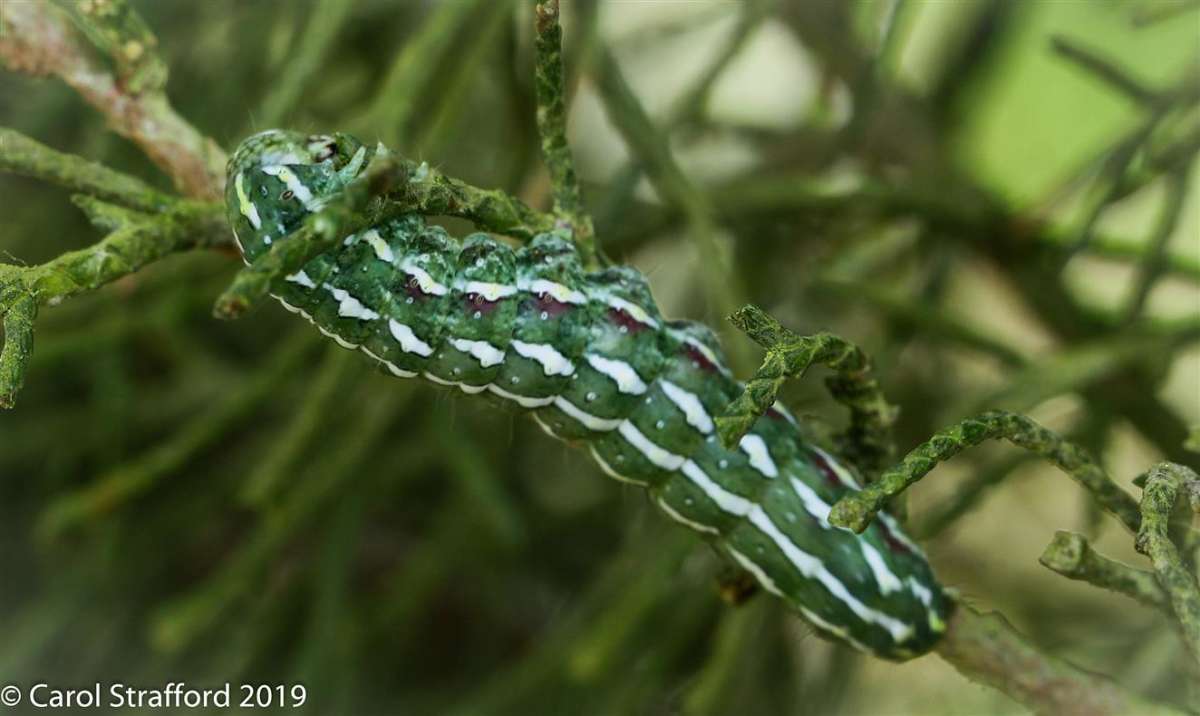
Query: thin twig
{"x": 855, "y": 511}
{"x": 18, "y": 346}
{"x": 552, "y": 127}
{"x": 985, "y": 648}
{"x": 39, "y": 40}
{"x": 1070, "y": 555}
{"x": 867, "y": 442}
{"x": 1170, "y": 487}
{"x": 21, "y": 155}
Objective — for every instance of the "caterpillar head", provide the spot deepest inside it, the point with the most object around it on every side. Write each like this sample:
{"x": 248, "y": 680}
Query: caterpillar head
{"x": 277, "y": 177}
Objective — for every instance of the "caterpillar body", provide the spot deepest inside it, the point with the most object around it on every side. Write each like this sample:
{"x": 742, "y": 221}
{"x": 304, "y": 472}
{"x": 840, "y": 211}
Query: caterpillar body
{"x": 591, "y": 358}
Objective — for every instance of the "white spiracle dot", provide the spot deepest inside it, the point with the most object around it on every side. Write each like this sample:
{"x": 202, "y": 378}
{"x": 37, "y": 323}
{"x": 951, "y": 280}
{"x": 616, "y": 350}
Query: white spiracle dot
{"x": 590, "y": 396}
{"x": 624, "y": 329}
{"x": 688, "y": 501}
{"x": 514, "y": 380}
{"x": 791, "y": 516}
{"x": 457, "y": 371}
{"x": 476, "y": 315}
{"x": 723, "y": 464}
{"x": 660, "y": 424}
{"x": 545, "y": 315}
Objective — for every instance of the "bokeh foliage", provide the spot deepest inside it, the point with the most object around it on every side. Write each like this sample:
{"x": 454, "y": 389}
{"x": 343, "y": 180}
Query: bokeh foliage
{"x": 954, "y": 186}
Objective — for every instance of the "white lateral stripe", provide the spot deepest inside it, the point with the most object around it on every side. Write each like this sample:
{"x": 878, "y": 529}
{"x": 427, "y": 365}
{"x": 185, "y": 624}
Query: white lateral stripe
{"x": 760, "y": 457}
{"x": 555, "y": 290}
{"x": 301, "y": 278}
{"x": 608, "y": 469}
{"x": 349, "y": 306}
{"x": 813, "y": 503}
{"x": 888, "y": 582}
{"x": 749, "y": 565}
{"x": 440, "y": 381}
{"x": 340, "y": 341}
{"x": 247, "y": 207}
{"x": 655, "y": 454}
{"x": 839, "y": 631}
{"x": 525, "y": 401}
{"x": 542, "y": 424}
{"x": 471, "y": 389}
{"x": 395, "y": 369}
{"x": 693, "y": 409}
{"x": 383, "y": 252}
{"x": 699, "y": 527}
{"x": 409, "y": 342}
{"x": 633, "y": 310}
{"x": 813, "y": 568}
{"x": 733, "y": 504}
{"x": 553, "y": 362}
{"x": 482, "y": 351}
{"x": 294, "y": 185}
{"x": 490, "y": 291}
{"x": 623, "y": 374}
{"x": 589, "y": 421}
{"x": 427, "y": 283}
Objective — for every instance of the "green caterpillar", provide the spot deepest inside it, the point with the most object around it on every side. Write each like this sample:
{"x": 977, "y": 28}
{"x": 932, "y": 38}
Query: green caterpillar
{"x": 589, "y": 355}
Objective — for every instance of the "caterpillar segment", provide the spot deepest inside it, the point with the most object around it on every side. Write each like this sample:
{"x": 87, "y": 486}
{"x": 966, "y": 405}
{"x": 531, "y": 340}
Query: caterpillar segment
{"x": 593, "y": 361}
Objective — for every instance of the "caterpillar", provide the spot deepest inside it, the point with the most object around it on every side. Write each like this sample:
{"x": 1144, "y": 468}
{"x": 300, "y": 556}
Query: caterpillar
{"x": 593, "y": 361}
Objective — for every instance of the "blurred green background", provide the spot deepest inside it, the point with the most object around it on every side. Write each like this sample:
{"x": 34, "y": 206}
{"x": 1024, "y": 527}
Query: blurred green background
{"x": 188, "y": 499}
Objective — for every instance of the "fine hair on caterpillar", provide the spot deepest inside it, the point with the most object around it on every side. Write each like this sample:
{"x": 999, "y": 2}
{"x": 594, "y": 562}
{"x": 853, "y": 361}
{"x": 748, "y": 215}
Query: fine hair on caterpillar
{"x": 591, "y": 358}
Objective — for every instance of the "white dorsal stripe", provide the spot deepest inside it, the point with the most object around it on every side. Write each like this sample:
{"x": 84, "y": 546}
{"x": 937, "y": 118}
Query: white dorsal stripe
{"x": 632, "y": 310}
{"x": 887, "y": 580}
{"x": 623, "y": 374}
{"x": 555, "y": 290}
{"x": 898, "y": 532}
{"x": 727, "y": 501}
{"x": 813, "y": 568}
{"x": 657, "y": 456}
{"x": 247, "y": 207}
{"x": 673, "y": 514}
{"x": 553, "y": 362}
{"x": 383, "y": 252}
{"x": 490, "y": 291}
{"x": 760, "y": 458}
{"x": 708, "y": 353}
{"x": 608, "y": 469}
{"x": 525, "y": 401}
{"x": 843, "y": 475}
{"x": 482, "y": 351}
{"x": 813, "y": 503}
{"x": 589, "y": 421}
{"x": 301, "y": 278}
{"x": 294, "y": 185}
{"x": 425, "y": 282}
{"x": 693, "y": 409}
{"x": 409, "y": 342}
{"x": 759, "y": 574}
{"x": 349, "y": 306}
